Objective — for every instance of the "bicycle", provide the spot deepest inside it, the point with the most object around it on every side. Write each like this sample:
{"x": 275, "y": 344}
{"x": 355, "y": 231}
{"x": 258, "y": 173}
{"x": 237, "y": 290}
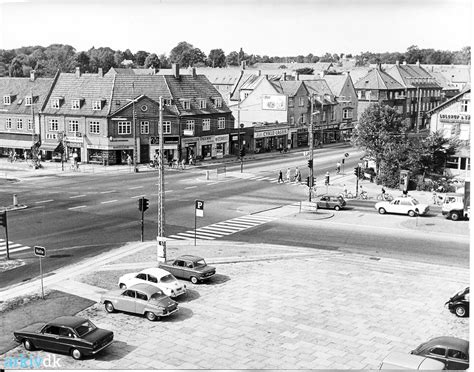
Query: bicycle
{"x": 384, "y": 196}
{"x": 363, "y": 195}
{"x": 347, "y": 195}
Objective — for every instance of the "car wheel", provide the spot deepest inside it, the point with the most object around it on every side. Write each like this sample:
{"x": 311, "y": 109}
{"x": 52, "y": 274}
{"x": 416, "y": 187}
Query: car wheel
{"x": 454, "y": 216}
{"x": 76, "y": 354}
{"x": 109, "y": 307}
{"x": 122, "y": 286}
{"x": 194, "y": 280}
{"x": 28, "y": 345}
{"x": 151, "y": 316}
{"x": 336, "y": 208}
{"x": 411, "y": 213}
{"x": 382, "y": 211}
{"x": 460, "y": 311}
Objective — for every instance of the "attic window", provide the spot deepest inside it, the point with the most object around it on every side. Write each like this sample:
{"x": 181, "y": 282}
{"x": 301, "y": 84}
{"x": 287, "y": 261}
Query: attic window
{"x": 218, "y": 102}
{"x": 97, "y": 105}
{"x": 186, "y": 104}
{"x": 28, "y": 101}
{"x": 7, "y": 100}
{"x": 167, "y": 101}
{"x": 202, "y": 103}
{"x": 56, "y": 103}
{"x": 75, "y": 104}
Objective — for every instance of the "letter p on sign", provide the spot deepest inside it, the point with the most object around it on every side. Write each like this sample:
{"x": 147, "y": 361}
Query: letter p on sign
{"x": 199, "y": 208}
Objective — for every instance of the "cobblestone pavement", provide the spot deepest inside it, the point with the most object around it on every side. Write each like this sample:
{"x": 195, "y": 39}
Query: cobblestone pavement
{"x": 313, "y": 310}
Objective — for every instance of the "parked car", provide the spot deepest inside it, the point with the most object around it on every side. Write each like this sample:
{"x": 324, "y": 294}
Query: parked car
{"x": 141, "y": 298}
{"x": 452, "y": 351}
{"x": 189, "y": 267}
{"x": 157, "y": 277}
{"x": 336, "y": 202}
{"x": 397, "y": 360}
{"x": 459, "y": 303}
{"x": 402, "y": 205}
{"x": 67, "y": 334}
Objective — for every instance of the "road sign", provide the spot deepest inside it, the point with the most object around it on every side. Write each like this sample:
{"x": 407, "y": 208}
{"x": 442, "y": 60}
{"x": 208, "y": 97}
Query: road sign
{"x": 306, "y": 154}
{"x": 346, "y": 154}
{"x": 40, "y": 251}
{"x": 199, "y": 208}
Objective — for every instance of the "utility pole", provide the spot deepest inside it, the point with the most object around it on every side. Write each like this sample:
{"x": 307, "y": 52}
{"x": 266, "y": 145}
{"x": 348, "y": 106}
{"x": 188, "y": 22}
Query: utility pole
{"x": 161, "y": 248}
{"x": 310, "y": 140}
{"x": 321, "y": 119}
{"x": 240, "y": 145}
{"x": 134, "y": 131}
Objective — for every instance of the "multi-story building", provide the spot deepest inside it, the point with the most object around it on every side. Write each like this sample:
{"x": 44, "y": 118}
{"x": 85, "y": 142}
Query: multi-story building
{"x": 22, "y": 99}
{"x": 453, "y": 119}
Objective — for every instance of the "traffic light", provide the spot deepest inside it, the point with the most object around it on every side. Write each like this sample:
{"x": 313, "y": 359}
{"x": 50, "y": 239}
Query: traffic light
{"x": 242, "y": 152}
{"x": 326, "y": 180}
{"x": 310, "y": 163}
{"x": 3, "y": 219}
{"x": 357, "y": 171}
{"x": 143, "y": 204}
{"x": 308, "y": 183}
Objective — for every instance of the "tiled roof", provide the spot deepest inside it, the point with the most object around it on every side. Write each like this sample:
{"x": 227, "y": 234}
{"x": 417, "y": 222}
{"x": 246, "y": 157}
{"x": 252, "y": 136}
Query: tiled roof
{"x": 86, "y": 87}
{"x": 131, "y": 71}
{"x": 250, "y": 82}
{"x": 443, "y": 81}
{"x": 288, "y": 88}
{"x": 320, "y": 88}
{"x": 336, "y": 83}
{"x": 292, "y": 66}
{"x": 454, "y": 73}
{"x": 412, "y": 76}
{"x": 378, "y": 80}
{"x": 194, "y": 88}
{"x": 449, "y": 101}
{"x": 19, "y": 88}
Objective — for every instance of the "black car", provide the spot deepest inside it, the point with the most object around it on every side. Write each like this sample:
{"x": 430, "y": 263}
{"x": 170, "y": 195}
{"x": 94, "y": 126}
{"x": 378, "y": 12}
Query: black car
{"x": 452, "y": 351}
{"x": 189, "y": 267}
{"x": 67, "y": 334}
{"x": 459, "y": 303}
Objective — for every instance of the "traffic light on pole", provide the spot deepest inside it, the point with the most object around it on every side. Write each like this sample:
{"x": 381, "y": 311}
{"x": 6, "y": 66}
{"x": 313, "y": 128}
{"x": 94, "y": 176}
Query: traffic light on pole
{"x": 242, "y": 152}
{"x": 146, "y": 204}
{"x": 3, "y": 219}
{"x": 357, "y": 171}
{"x": 326, "y": 181}
{"x": 140, "y": 204}
{"x": 310, "y": 182}
{"x": 310, "y": 163}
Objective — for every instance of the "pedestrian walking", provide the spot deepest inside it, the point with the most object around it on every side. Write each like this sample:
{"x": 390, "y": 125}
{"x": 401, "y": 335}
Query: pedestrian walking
{"x": 25, "y": 155}
{"x": 129, "y": 159}
{"x": 183, "y": 164}
{"x": 338, "y": 167}
{"x": 297, "y": 171}
{"x": 280, "y": 177}
{"x": 288, "y": 175}
{"x": 191, "y": 159}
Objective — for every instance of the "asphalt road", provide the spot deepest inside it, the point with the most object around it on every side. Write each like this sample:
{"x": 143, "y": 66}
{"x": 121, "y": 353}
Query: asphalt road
{"x": 79, "y": 216}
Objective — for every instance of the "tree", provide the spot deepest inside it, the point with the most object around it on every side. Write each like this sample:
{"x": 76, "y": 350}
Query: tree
{"x": 140, "y": 57}
{"x": 152, "y": 61}
{"x": 381, "y": 130}
{"x": 128, "y": 55}
{"x": 305, "y": 71}
{"x": 164, "y": 61}
{"x": 216, "y": 58}
{"x": 59, "y": 57}
{"x": 16, "y": 68}
{"x": 118, "y": 58}
{"x": 180, "y": 52}
{"x": 101, "y": 58}
{"x": 82, "y": 61}
{"x": 232, "y": 59}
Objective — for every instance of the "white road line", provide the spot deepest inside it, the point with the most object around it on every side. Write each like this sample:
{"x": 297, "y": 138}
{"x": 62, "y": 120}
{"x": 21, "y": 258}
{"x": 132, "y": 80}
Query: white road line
{"x": 44, "y": 201}
{"x": 79, "y": 206}
{"x": 218, "y": 229}
{"x": 108, "y": 201}
{"x": 136, "y": 187}
{"x": 205, "y": 233}
{"x": 23, "y": 248}
{"x": 138, "y": 196}
{"x": 168, "y": 191}
{"x": 236, "y": 225}
{"x": 10, "y": 245}
{"x": 76, "y": 196}
{"x": 197, "y": 236}
{"x": 179, "y": 237}
{"x": 190, "y": 187}
{"x": 227, "y": 227}
{"x": 257, "y": 218}
{"x": 107, "y": 192}
{"x": 245, "y": 223}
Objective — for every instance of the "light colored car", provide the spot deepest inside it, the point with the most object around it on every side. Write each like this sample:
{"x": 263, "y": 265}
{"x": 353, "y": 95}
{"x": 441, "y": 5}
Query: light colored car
{"x": 397, "y": 360}
{"x": 157, "y": 277}
{"x": 142, "y": 299}
{"x": 402, "y": 205}
{"x": 452, "y": 351}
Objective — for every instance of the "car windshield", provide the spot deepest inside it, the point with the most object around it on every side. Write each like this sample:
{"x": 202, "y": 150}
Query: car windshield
{"x": 167, "y": 279}
{"x": 200, "y": 263}
{"x": 415, "y": 202}
{"x": 156, "y": 296}
{"x": 85, "y": 328}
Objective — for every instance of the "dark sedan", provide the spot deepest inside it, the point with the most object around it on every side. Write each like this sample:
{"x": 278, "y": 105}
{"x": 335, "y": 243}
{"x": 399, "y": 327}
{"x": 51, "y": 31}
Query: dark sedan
{"x": 67, "y": 334}
{"x": 452, "y": 351}
{"x": 331, "y": 202}
{"x": 189, "y": 267}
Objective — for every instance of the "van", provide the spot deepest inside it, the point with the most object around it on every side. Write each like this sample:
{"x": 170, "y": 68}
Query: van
{"x": 397, "y": 360}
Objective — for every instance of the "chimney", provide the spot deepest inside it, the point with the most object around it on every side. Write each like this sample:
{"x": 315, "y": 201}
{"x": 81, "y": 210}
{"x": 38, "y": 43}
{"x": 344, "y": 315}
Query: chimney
{"x": 297, "y": 76}
{"x": 100, "y": 73}
{"x": 243, "y": 65}
{"x": 397, "y": 63}
{"x": 418, "y": 63}
{"x": 404, "y": 62}
{"x": 259, "y": 73}
{"x": 379, "y": 66}
{"x": 193, "y": 72}
{"x": 323, "y": 73}
{"x": 284, "y": 76}
{"x": 32, "y": 75}
{"x": 78, "y": 72}
{"x": 175, "y": 69}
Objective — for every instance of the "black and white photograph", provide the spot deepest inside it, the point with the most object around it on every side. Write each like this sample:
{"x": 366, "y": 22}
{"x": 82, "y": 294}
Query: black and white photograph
{"x": 235, "y": 185}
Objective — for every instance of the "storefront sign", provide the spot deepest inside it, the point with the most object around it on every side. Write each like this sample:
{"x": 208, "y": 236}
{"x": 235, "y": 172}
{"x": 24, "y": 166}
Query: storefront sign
{"x": 189, "y": 140}
{"x": 206, "y": 140}
{"x": 455, "y": 118}
{"x": 271, "y": 133}
{"x": 273, "y": 102}
{"x": 221, "y": 138}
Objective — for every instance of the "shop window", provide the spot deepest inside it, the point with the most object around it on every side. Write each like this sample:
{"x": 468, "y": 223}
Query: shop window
{"x": 221, "y": 123}
{"x": 206, "y": 124}
{"x": 144, "y": 127}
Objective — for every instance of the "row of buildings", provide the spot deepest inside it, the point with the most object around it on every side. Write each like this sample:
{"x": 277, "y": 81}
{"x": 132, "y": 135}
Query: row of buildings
{"x": 207, "y": 112}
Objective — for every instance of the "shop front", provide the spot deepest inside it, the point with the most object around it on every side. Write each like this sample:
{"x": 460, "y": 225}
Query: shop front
{"x": 190, "y": 147}
{"x": 113, "y": 152}
{"x": 170, "y": 148}
{"x": 214, "y": 146}
{"x": 271, "y": 139}
{"x": 16, "y": 143}
{"x": 302, "y": 137}
{"x": 74, "y": 145}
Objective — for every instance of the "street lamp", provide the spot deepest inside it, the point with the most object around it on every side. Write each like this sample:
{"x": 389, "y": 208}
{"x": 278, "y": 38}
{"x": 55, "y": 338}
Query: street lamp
{"x": 310, "y": 140}
{"x": 161, "y": 247}
{"x": 135, "y": 150}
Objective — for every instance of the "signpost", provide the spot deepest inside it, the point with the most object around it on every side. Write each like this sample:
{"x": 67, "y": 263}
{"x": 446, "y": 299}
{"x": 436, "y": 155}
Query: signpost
{"x": 40, "y": 252}
{"x": 199, "y": 206}
{"x": 3, "y": 222}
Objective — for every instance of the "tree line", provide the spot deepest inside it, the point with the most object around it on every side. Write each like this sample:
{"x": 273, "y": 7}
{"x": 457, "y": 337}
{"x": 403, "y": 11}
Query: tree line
{"x": 47, "y": 60}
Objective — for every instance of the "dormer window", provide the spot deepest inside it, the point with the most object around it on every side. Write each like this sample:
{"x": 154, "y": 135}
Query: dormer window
{"x": 75, "y": 104}
{"x": 218, "y": 102}
{"x": 186, "y": 104}
{"x": 202, "y": 103}
{"x": 56, "y": 103}
{"x": 167, "y": 102}
{"x": 97, "y": 105}
{"x": 7, "y": 100}
{"x": 28, "y": 101}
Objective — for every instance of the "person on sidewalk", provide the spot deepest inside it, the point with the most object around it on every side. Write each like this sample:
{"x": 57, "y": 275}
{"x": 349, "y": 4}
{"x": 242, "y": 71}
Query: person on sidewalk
{"x": 338, "y": 168}
{"x": 297, "y": 171}
{"x": 288, "y": 175}
{"x": 129, "y": 160}
{"x": 183, "y": 163}
{"x": 280, "y": 177}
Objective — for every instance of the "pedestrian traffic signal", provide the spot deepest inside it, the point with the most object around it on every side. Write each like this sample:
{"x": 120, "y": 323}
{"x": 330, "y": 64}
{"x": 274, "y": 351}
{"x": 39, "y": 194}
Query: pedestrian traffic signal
{"x": 310, "y": 163}
{"x": 3, "y": 219}
{"x": 357, "y": 171}
{"x": 143, "y": 204}
{"x": 326, "y": 181}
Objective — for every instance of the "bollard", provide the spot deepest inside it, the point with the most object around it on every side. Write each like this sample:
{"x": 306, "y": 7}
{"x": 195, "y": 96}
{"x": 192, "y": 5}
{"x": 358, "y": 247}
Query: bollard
{"x": 207, "y": 175}
{"x": 15, "y": 200}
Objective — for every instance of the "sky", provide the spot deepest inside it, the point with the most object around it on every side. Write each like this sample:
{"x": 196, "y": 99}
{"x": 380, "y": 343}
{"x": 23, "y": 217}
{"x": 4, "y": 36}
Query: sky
{"x": 263, "y": 27}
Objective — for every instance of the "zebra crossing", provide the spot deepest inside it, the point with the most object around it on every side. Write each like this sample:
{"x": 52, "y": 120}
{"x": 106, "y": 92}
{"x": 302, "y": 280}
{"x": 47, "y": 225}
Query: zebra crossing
{"x": 224, "y": 228}
{"x": 12, "y": 247}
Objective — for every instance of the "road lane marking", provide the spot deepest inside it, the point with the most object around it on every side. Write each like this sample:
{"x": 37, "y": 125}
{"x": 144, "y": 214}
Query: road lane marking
{"x": 108, "y": 201}
{"x": 79, "y": 206}
{"x": 108, "y": 192}
{"x": 44, "y": 201}
{"x": 76, "y": 196}
{"x": 138, "y": 196}
{"x": 136, "y": 187}
{"x": 191, "y": 235}
{"x": 168, "y": 191}
{"x": 190, "y": 187}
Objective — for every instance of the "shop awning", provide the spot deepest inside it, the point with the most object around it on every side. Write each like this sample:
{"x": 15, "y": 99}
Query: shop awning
{"x": 16, "y": 144}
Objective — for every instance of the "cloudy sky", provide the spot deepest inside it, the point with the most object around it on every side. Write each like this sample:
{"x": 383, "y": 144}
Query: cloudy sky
{"x": 264, "y": 27}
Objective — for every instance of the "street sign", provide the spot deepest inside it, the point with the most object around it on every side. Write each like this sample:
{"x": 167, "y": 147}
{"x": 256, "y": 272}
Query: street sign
{"x": 306, "y": 154}
{"x": 346, "y": 154}
{"x": 199, "y": 208}
{"x": 40, "y": 251}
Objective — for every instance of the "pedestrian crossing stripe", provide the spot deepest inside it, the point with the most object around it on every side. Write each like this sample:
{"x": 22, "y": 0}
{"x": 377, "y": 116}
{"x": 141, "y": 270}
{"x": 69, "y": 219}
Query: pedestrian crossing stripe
{"x": 12, "y": 247}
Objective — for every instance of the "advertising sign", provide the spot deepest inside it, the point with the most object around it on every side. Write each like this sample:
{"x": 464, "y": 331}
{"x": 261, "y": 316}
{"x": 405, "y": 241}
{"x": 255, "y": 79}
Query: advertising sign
{"x": 273, "y": 102}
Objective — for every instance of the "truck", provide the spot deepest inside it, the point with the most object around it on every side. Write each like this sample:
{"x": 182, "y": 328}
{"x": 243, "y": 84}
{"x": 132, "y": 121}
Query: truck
{"x": 457, "y": 206}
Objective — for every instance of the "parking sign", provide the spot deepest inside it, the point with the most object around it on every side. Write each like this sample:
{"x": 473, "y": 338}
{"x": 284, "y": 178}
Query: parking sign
{"x": 199, "y": 208}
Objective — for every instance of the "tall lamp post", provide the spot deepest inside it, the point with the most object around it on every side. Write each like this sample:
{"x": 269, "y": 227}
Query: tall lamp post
{"x": 310, "y": 140}
{"x": 161, "y": 247}
{"x": 135, "y": 150}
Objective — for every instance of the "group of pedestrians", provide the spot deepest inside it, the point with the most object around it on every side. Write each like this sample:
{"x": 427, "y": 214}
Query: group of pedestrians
{"x": 289, "y": 178}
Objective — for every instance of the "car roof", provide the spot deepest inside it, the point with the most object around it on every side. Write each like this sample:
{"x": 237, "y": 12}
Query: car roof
{"x": 68, "y": 321}
{"x": 189, "y": 257}
{"x": 148, "y": 289}
{"x": 155, "y": 271}
{"x": 450, "y": 342}
{"x": 398, "y": 360}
